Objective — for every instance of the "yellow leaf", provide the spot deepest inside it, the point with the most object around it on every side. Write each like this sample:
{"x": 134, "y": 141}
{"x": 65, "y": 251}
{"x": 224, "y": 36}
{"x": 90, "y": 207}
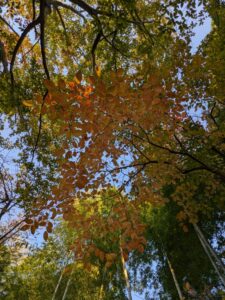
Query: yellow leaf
{"x": 68, "y": 269}
{"x": 108, "y": 264}
{"x": 27, "y": 103}
{"x": 98, "y": 71}
{"x": 110, "y": 256}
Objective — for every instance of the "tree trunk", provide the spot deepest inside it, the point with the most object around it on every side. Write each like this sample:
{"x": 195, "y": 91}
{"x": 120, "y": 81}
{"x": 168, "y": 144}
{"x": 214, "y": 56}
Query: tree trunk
{"x": 175, "y": 279}
{"x": 101, "y": 292}
{"x": 213, "y": 253}
{"x": 67, "y": 286}
{"x": 125, "y": 273}
{"x": 217, "y": 264}
{"x": 57, "y": 286}
{"x": 102, "y": 285}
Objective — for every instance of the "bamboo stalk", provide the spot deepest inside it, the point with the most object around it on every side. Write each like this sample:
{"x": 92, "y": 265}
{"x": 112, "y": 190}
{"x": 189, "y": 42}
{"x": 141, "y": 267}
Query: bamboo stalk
{"x": 125, "y": 273}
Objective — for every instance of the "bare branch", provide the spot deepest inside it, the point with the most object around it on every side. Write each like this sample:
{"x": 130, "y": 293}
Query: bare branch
{"x": 187, "y": 154}
{"x": 90, "y": 10}
{"x": 212, "y": 116}
{"x": 42, "y": 37}
{"x": 7, "y": 23}
{"x": 29, "y": 27}
{"x": 57, "y": 4}
{"x": 94, "y": 47}
{"x": 25, "y": 54}
{"x": 4, "y": 237}
{"x": 39, "y": 126}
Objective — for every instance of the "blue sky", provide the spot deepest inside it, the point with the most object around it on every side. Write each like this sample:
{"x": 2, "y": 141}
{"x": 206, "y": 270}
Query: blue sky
{"x": 200, "y": 34}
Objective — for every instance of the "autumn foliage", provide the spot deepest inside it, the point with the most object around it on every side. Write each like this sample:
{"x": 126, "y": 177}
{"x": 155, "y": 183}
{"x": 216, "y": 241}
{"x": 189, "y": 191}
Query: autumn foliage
{"x": 116, "y": 121}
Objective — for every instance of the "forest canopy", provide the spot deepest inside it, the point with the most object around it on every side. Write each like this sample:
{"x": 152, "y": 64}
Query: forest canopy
{"x": 112, "y": 149}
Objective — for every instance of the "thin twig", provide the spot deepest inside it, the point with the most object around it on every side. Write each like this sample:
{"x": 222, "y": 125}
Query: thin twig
{"x": 7, "y": 23}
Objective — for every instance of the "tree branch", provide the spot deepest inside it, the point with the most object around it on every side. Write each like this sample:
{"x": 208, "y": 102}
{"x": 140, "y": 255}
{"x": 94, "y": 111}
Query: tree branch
{"x": 7, "y": 23}
{"x": 29, "y": 27}
{"x": 39, "y": 126}
{"x": 42, "y": 37}
{"x": 94, "y": 47}
{"x": 2, "y": 238}
{"x": 90, "y": 10}
{"x": 66, "y": 6}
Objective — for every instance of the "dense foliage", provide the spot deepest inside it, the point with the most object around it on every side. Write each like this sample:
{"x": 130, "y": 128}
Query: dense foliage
{"x": 112, "y": 149}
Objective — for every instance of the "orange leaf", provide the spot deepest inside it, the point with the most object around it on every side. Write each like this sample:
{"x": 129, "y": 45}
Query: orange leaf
{"x": 110, "y": 256}
{"x": 32, "y": 229}
{"x": 120, "y": 72}
{"x": 25, "y": 227}
{"x": 29, "y": 221}
{"x": 45, "y": 235}
{"x": 42, "y": 223}
{"x": 78, "y": 77}
{"x": 141, "y": 248}
{"x": 49, "y": 227}
{"x": 108, "y": 264}
{"x": 49, "y": 84}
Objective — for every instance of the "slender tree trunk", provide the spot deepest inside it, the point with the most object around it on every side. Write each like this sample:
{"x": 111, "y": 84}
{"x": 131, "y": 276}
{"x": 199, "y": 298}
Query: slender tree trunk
{"x": 125, "y": 273}
{"x": 213, "y": 253}
{"x": 101, "y": 292}
{"x": 67, "y": 286}
{"x": 57, "y": 286}
{"x": 102, "y": 285}
{"x": 175, "y": 279}
{"x": 60, "y": 279}
{"x": 210, "y": 252}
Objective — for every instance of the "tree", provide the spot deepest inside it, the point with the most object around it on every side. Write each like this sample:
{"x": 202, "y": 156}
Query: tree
{"x": 103, "y": 94}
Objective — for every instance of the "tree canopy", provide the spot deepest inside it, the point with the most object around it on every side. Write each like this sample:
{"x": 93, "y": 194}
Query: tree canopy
{"x": 112, "y": 149}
